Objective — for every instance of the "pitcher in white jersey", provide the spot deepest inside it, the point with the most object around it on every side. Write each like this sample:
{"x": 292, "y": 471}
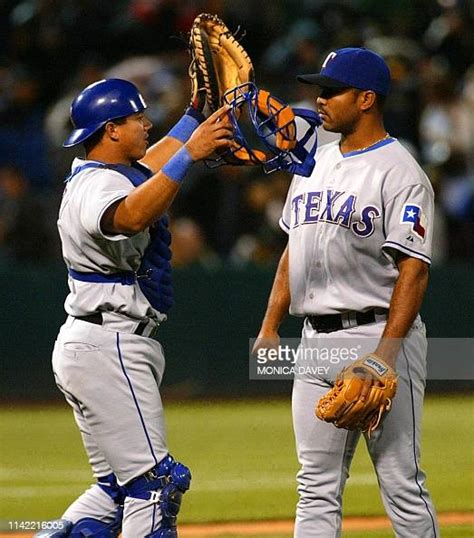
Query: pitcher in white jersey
{"x": 107, "y": 359}
{"x": 356, "y": 267}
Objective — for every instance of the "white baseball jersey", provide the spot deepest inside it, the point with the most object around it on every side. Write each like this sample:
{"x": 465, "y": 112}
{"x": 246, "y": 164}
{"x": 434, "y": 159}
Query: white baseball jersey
{"x": 86, "y": 248}
{"x": 109, "y": 372}
{"x": 346, "y": 223}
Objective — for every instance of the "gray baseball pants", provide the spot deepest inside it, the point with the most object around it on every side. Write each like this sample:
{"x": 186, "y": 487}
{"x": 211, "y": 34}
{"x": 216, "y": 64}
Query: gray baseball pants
{"x": 325, "y": 452}
{"x": 112, "y": 380}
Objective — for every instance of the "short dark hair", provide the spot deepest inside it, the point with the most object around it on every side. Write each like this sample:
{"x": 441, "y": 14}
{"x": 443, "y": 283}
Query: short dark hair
{"x": 379, "y": 102}
{"x": 94, "y": 139}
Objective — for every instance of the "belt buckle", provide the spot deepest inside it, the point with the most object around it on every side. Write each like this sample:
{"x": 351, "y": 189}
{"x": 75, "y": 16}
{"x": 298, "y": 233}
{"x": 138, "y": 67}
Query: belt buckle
{"x": 348, "y": 319}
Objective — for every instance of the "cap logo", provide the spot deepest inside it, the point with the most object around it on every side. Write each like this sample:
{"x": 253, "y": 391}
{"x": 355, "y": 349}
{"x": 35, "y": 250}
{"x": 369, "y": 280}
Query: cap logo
{"x": 329, "y": 57}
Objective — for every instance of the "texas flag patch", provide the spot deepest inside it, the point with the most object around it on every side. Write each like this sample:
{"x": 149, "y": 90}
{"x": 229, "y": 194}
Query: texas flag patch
{"x": 413, "y": 215}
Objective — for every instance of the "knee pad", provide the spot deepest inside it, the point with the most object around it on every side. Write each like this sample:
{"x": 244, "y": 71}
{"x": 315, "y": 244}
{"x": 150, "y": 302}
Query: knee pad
{"x": 149, "y": 484}
{"x": 170, "y": 500}
{"x": 180, "y": 475}
{"x": 165, "y": 484}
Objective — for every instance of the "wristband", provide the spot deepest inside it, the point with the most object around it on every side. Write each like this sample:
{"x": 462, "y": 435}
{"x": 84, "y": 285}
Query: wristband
{"x": 194, "y": 113}
{"x": 186, "y": 125}
{"x": 178, "y": 165}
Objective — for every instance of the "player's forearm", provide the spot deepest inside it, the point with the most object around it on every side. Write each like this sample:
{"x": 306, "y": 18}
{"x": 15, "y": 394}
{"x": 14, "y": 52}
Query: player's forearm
{"x": 144, "y": 205}
{"x": 405, "y": 304}
{"x": 161, "y": 152}
{"x": 279, "y": 300}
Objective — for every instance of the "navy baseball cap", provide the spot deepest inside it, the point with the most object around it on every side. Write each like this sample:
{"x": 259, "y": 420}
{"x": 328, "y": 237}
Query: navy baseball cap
{"x": 352, "y": 68}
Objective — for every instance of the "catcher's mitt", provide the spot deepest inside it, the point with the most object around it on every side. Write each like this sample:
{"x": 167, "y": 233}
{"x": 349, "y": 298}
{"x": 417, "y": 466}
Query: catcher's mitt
{"x": 198, "y": 88}
{"x": 220, "y": 58}
{"x": 343, "y": 406}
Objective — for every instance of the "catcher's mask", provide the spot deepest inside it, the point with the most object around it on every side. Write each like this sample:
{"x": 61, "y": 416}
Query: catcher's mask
{"x": 277, "y": 126}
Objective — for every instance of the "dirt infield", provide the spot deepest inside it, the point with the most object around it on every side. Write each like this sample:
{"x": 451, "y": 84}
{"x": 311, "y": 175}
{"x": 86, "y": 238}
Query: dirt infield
{"x": 266, "y": 528}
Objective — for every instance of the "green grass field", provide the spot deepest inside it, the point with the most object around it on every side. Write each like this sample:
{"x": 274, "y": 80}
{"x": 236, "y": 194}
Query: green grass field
{"x": 242, "y": 457}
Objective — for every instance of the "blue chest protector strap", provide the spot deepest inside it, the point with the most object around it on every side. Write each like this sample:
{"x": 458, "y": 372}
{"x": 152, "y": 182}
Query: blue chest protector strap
{"x": 154, "y": 273}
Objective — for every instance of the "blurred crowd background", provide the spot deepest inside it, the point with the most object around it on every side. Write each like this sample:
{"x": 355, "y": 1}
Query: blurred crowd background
{"x": 51, "y": 49}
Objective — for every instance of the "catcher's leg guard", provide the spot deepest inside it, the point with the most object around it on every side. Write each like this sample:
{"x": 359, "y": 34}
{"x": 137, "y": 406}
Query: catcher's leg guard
{"x": 98, "y": 529}
{"x": 90, "y": 526}
{"x": 165, "y": 485}
{"x": 84, "y": 528}
{"x": 114, "y": 491}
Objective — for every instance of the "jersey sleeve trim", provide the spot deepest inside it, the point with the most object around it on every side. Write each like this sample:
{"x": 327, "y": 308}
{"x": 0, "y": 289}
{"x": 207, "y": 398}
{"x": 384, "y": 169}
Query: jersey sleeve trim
{"x": 111, "y": 237}
{"x": 407, "y": 251}
{"x": 283, "y": 225}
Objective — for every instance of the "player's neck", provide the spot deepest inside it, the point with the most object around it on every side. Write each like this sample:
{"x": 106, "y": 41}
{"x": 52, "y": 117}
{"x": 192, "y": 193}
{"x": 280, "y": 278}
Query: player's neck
{"x": 106, "y": 156}
{"x": 362, "y": 139}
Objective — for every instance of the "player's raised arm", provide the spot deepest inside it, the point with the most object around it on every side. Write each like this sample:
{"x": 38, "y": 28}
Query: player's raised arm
{"x": 150, "y": 200}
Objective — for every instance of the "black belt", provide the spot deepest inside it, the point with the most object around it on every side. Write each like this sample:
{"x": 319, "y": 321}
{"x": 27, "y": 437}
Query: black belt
{"x": 97, "y": 320}
{"x": 336, "y": 322}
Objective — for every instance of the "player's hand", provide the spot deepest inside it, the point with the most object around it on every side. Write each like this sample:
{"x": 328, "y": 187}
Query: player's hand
{"x": 213, "y": 134}
{"x": 266, "y": 340}
{"x": 361, "y": 395}
{"x": 368, "y": 381}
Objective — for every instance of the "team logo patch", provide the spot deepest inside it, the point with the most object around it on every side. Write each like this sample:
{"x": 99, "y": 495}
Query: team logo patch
{"x": 413, "y": 214}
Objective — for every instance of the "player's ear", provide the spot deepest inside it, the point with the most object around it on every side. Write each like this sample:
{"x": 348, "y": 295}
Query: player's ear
{"x": 111, "y": 130}
{"x": 367, "y": 99}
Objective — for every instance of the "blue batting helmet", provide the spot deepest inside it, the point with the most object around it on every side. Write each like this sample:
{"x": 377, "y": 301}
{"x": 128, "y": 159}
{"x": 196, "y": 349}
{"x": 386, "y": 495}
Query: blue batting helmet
{"x": 99, "y": 103}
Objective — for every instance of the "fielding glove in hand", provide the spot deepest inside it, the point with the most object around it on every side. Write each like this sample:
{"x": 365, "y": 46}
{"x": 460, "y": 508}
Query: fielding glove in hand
{"x": 343, "y": 404}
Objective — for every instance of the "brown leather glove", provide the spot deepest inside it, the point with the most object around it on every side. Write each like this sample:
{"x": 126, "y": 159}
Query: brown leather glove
{"x": 221, "y": 59}
{"x": 343, "y": 404}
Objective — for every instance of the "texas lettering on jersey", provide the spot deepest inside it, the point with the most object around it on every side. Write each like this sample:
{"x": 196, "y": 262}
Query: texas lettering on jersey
{"x": 334, "y": 207}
